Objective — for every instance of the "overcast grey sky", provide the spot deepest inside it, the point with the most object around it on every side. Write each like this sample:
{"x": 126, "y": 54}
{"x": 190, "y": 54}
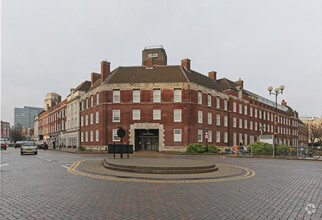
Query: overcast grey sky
{"x": 54, "y": 45}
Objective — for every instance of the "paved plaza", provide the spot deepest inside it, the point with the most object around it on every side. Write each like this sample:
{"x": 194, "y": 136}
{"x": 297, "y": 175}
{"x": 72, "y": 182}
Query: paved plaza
{"x": 61, "y": 185}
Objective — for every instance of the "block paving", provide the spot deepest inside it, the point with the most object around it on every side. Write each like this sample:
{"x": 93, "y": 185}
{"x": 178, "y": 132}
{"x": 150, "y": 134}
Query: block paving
{"x": 40, "y": 187}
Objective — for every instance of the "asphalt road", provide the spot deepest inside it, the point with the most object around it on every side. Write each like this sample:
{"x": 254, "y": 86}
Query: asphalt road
{"x": 40, "y": 187}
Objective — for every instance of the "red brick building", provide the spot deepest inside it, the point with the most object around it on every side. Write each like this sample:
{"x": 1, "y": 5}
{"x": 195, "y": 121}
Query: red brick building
{"x": 165, "y": 108}
{"x": 5, "y": 130}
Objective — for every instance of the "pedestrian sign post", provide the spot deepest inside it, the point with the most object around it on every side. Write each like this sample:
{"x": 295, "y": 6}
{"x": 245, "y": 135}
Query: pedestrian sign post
{"x": 206, "y": 136}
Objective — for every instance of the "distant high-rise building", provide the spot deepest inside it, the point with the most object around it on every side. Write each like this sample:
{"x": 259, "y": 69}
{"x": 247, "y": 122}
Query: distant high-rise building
{"x": 25, "y": 116}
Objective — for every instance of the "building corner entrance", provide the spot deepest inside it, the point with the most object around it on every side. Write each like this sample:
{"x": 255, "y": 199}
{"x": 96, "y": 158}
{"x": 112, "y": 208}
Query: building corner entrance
{"x": 146, "y": 140}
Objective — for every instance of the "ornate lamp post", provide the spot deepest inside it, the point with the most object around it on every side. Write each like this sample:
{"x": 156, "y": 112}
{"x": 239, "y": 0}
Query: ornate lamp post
{"x": 277, "y": 91}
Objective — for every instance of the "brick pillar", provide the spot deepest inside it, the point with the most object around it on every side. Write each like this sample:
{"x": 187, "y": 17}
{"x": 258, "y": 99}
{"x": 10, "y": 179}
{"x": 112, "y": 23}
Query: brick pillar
{"x": 186, "y": 63}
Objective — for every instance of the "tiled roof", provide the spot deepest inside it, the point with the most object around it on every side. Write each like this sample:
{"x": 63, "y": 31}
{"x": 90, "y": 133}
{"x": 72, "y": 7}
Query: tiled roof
{"x": 160, "y": 74}
{"x": 140, "y": 74}
{"x": 84, "y": 86}
{"x": 226, "y": 84}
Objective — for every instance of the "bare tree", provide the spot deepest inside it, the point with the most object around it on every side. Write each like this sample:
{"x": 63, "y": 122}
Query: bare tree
{"x": 314, "y": 132}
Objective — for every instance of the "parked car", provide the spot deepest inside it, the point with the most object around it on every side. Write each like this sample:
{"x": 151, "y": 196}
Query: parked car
{"x": 18, "y": 144}
{"x": 28, "y": 147}
{"x": 3, "y": 144}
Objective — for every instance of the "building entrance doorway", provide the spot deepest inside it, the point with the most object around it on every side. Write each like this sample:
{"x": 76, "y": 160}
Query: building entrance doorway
{"x": 146, "y": 140}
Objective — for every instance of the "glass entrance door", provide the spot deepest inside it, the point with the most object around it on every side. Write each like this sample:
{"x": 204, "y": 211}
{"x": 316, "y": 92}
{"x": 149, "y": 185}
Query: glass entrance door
{"x": 146, "y": 141}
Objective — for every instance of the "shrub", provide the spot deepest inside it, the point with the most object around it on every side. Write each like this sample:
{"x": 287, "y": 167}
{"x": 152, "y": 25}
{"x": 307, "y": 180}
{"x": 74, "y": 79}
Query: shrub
{"x": 261, "y": 148}
{"x": 81, "y": 148}
{"x": 196, "y": 148}
{"x": 282, "y": 150}
{"x": 212, "y": 148}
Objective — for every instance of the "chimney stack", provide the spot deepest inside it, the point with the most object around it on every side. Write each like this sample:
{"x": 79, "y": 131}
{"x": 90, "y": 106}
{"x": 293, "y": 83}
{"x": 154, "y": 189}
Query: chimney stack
{"x": 212, "y": 75}
{"x": 105, "y": 70}
{"x": 94, "y": 77}
{"x": 149, "y": 63}
{"x": 240, "y": 83}
{"x": 186, "y": 63}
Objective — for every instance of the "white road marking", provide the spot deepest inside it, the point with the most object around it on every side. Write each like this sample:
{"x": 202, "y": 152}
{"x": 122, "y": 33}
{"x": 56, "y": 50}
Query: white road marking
{"x": 39, "y": 157}
{"x": 64, "y": 166}
{"x": 6, "y": 164}
{"x": 48, "y": 160}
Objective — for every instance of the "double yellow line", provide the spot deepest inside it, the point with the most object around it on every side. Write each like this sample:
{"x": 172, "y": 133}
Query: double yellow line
{"x": 249, "y": 173}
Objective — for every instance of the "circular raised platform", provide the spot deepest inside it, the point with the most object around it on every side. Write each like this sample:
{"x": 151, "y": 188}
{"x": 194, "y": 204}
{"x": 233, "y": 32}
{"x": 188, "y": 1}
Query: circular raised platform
{"x": 159, "y": 165}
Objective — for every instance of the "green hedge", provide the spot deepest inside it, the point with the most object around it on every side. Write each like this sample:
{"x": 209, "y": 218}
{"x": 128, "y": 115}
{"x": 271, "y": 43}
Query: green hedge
{"x": 200, "y": 148}
{"x": 196, "y": 148}
{"x": 261, "y": 148}
{"x": 282, "y": 150}
{"x": 212, "y": 148}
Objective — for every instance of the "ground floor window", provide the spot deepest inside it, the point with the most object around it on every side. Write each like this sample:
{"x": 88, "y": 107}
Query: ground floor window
{"x": 177, "y": 135}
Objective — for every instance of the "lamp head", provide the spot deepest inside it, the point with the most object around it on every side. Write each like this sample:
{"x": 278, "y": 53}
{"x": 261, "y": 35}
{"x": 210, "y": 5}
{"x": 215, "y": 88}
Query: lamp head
{"x": 270, "y": 89}
{"x": 282, "y": 87}
{"x": 277, "y": 90}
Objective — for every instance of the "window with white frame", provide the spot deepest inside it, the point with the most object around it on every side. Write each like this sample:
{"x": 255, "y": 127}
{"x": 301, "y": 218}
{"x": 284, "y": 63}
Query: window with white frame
{"x": 217, "y": 136}
{"x": 115, "y": 136}
{"x": 209, "y": 118}
{"x": 268, "y": 128}
{"x": 156, "y": 95}
{"x": 217, "y": 102}
{"x": 92, "y": 118}
{"x": 245, "y": 109}
{"x": 209, "y": 136}
{"x": 217, "y": 119}
{"x": 97, "y": 118}
{"x": 245, "y": 139}
{"x": 226, "y": 121}
{"x": 177, "y": 95}
{"x": 82, "y": 121}
{"x": 86, "y": 136}
{"x": 83, "y": 105}
{"x": 234, "y": 139}
{"x": 136, "y": 114}
{"x": 240, "y": 137}
{"x": 156, "y": 114}
{"x": 272, "y": 129}
{"x": 177, "y": 135}
{"x": 199, "y": 135}
{"x": 177, "y": 115}
{"x": 264, "y": 115}
{"x": 234, "y": 107}
{"x": 116, "y": 96}
{"x": 268, "y": 116}
{"x": 97, "y": 98}
{"x": 82, "y": 136}
{"x": 251, "y": 125}
{"x": 92, "y": 138}
{"x": 240, "y": 109}
{"x": 260, "y": 114}
{"x": 245, "y": 124}
{"x": 255, "y": 112}
{"x": 225, "y": 137}
{"x": 116, "y": 116}
{"x": 234, "y": 122}
{"x": 225, "y": 104}
{"x": 86, "y": 120}
{"x": 209, "y": 100}
{"x": 240, "y": 123}
{"x": 255, "y": 126}
{"x": 86, "y": 103}
{"x": 136, "y": 96}
{"x": 199, "y": 98}
{"x": 251, "y": 111}
{"x": 97, "y": 135}
{"x": 199, "y": 116}
{"x": 92, "y": 101}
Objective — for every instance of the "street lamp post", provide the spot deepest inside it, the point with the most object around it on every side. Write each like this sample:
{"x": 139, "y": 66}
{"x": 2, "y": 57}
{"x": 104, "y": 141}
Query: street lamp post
{"x": 277, "y": 91}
